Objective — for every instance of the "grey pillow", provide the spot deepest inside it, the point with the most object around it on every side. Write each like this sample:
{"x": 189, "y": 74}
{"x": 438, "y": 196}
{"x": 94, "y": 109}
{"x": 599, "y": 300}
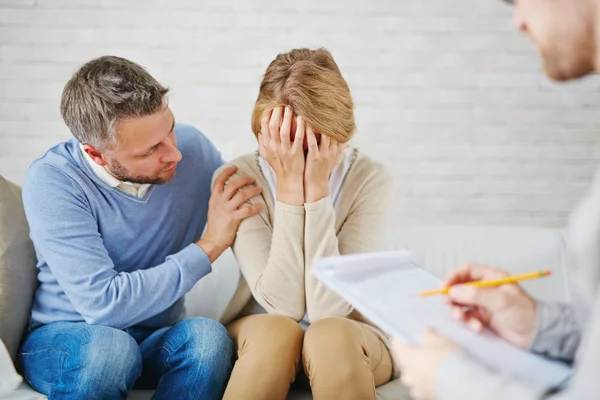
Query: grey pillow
{"x": 18, "y": 272}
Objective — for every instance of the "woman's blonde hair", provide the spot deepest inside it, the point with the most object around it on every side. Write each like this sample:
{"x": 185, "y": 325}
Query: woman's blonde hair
{"x": 310, "y": 82}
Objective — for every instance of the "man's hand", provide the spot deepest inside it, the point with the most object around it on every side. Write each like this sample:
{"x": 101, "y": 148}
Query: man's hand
{"x": 507, "y": 310}
{"x": 320, "y": 161}
{"x": 226, "y": 210}
{"x": 284, "y": 156}
{"x": 419, "y": 365}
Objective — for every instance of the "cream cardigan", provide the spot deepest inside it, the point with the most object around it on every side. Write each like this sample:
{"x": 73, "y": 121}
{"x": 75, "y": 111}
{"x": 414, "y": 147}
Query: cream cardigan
{"x": 276, "y": 249}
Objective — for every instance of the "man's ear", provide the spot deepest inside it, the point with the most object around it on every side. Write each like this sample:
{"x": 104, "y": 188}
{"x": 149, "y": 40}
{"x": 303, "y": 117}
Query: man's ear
{"x": 94, "y": 154}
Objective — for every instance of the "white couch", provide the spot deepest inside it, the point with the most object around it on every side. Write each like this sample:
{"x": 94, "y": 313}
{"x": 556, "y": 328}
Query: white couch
{"x": 436, "y": 248}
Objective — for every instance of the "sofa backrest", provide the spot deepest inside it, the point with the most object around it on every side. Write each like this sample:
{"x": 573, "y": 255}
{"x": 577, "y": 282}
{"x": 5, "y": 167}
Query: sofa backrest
{"x": 210, "y": 296}
{"x": 17, "y": 267}
{"x": 440, "y": 249}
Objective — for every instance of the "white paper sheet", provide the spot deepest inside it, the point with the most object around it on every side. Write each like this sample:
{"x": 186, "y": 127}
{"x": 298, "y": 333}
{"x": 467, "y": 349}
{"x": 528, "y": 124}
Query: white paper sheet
{"x": 384, "y": 287}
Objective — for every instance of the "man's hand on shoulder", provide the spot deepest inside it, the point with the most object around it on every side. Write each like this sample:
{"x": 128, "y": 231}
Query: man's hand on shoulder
{"x": 227, "y": 208}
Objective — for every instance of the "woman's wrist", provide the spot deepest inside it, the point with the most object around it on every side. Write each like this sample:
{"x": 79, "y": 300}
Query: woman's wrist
{"x": 315, "y": 193}
{"x": 291, "y": 191}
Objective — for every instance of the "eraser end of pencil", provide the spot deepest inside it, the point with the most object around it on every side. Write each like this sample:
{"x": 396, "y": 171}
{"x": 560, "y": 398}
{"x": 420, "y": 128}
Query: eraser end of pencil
{"x": 548, "y": 272}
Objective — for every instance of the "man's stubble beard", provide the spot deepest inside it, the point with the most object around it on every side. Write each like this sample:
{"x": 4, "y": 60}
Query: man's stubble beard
{"x": 573, "y": 58}
{"x": 121, "y": 173}
{"x": 561, "y": 72}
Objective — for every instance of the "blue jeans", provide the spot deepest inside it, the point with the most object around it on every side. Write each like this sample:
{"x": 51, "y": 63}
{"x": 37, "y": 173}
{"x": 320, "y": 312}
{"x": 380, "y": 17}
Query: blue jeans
{"x": 73, "y": 360}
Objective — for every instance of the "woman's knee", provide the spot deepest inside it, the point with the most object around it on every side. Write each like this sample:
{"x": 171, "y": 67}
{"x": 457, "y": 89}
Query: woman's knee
{"x": 268, "y": 333}
{"x": 344, "y": 351}
{"x": 333, "y": 342}
{"x": 331, "y": 334}
{"x": 336, "y": 359}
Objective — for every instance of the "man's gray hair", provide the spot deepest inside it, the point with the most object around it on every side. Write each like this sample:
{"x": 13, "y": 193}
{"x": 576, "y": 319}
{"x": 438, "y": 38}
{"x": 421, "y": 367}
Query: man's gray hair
{"x": 105, "y": 91}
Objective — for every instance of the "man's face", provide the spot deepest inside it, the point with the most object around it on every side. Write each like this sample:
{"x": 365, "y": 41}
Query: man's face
{"x": 563, "y": 32}
{"x": 146, "y": 150}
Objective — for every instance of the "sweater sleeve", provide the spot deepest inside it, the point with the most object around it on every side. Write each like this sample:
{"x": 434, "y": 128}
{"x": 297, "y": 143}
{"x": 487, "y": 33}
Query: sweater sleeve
{"x": 462, "y": 377}
{"x": 271, "y": 258}
{"x": 65, "y": 234}
{"x": 362, "y": 232}
{"x": 558, "y": 333}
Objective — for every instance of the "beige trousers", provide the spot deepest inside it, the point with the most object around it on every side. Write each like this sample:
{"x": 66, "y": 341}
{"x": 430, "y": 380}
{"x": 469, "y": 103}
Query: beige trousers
{"x": 341, "y": 358}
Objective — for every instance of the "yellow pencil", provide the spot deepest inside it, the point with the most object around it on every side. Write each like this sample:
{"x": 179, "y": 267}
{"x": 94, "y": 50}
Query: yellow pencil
{"x": 498, "y": 282}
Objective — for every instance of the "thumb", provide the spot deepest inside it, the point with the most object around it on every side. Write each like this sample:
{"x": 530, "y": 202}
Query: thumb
{"x": 401, "y": 351}
{"x": 431, "y": 338}
{"x": 399, "y": 345}
{"x": 489, "y": 298}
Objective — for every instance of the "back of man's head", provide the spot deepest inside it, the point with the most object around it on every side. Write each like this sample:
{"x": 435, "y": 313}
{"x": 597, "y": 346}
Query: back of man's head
{"x": 105, "y": 91}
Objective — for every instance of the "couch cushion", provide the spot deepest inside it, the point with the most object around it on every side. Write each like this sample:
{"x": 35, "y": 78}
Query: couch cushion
{"x": 9, "y": 379}
{"x": 17, "y": 267}
{"x": 211, "y": 294}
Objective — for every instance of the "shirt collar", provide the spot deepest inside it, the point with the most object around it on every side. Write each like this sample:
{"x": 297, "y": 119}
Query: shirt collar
{"x": 100, "y": 172}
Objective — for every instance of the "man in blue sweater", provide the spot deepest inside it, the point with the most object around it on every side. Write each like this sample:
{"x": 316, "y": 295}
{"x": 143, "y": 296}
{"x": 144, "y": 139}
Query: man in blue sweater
{"x": 117, "y": 216}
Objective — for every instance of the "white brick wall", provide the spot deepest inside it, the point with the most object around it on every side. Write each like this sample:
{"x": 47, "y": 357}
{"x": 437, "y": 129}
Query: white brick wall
{"x": 447, "y": 94}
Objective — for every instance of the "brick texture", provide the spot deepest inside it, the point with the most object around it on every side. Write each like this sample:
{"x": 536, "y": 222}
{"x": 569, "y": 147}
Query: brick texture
{"x": 447, "y": 94}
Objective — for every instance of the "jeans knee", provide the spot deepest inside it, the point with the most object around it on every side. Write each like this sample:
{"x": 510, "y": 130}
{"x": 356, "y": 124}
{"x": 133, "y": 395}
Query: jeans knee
{"x": 204, "y": 333}
{"x": 77, "y": 360}
{"x": 204, "y": 341}
{"x": 111, "y": 358}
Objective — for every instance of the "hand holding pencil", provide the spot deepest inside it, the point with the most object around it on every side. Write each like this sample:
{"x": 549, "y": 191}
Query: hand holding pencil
{"x": 493, "y": 301}
{"x": 505, "y": 309}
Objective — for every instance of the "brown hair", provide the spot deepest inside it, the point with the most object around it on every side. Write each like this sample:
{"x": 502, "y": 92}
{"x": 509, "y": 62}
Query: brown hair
{"x": 105, "y": 91}
{"x": 310, "y": 82}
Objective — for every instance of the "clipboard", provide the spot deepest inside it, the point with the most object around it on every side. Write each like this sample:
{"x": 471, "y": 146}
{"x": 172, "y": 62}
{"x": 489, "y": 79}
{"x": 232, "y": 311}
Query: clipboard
{"x": 384, "y": 288}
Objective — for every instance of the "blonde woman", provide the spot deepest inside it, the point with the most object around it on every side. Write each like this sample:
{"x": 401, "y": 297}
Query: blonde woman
{"x": 321, "y": 197}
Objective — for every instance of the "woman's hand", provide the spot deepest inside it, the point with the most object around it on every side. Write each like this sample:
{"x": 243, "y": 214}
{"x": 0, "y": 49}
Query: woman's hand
{"x": 284, "y": 156}
{"x": 320, "y": 161}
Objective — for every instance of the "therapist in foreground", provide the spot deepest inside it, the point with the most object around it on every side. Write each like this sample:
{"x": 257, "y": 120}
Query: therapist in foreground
{"x": 567, "y": 35}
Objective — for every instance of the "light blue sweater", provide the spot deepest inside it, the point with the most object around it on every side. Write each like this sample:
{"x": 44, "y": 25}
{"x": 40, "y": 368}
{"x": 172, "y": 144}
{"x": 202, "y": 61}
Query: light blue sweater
{"x": 110, "y": 258}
